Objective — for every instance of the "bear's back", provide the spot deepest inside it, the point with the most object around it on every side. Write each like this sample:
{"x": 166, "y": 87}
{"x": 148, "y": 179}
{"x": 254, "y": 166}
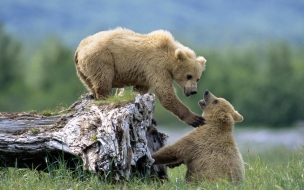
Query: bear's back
{"x": 105, "y": 37}
{"x": 121, "y": 39}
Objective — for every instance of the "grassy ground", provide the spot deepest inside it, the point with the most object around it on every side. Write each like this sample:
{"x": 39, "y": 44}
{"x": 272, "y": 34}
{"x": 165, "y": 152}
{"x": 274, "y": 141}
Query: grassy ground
{"x": 273, "y": 168}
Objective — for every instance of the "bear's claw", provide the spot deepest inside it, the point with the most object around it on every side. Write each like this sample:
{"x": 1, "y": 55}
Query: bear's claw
{"x": 199, "y": 120}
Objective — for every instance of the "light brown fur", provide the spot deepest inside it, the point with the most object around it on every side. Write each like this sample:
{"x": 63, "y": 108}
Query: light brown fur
{"x": 121, "y": 57}
{"x": 210, "y": 151}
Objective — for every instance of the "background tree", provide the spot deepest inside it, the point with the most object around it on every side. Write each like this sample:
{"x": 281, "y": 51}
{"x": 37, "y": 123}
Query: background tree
{"x": 10, "y": 71}
{"x": 51, "y": 74}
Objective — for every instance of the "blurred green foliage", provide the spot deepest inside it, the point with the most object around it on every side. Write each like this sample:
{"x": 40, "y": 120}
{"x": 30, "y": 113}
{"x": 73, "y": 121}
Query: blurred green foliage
{"x": 263, "y": 82}
{"x": 42, "y": 81}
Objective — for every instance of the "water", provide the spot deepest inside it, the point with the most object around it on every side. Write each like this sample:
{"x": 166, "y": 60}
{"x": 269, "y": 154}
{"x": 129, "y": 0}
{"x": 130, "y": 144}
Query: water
{"x": 250, "y": 138}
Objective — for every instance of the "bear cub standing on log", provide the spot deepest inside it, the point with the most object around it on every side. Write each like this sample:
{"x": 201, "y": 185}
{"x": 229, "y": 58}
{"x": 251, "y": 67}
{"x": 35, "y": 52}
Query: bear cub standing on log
{"x": 210, "y": 151}
{"x": 121, "y": 57}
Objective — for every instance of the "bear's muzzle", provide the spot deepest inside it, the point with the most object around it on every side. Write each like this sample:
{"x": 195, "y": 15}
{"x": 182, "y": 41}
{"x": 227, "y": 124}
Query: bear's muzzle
{"x": 190, "y": 91}
{"x": 202, "y": 103}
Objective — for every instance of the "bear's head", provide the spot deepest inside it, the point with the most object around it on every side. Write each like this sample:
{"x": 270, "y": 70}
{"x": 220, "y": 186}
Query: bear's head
{"x": 218, "y": 110}
{"x": 187, "y": 70}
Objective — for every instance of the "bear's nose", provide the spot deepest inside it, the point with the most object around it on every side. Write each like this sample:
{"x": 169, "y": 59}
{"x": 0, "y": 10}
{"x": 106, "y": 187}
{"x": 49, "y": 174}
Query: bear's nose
{"x": 193, "y": 92}
{"x": 206, "y": 92}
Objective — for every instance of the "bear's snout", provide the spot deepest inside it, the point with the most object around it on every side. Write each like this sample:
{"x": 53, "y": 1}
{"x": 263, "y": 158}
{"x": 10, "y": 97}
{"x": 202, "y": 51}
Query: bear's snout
{"x": 209, "y": 97}
{"x": 193, "y": 92}
{"x": 202, "y": 103}
{"x": 190, "y": 91}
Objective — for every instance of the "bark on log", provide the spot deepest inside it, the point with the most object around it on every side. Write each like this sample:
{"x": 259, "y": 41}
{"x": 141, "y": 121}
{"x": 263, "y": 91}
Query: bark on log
{"x": 108, "y": 138}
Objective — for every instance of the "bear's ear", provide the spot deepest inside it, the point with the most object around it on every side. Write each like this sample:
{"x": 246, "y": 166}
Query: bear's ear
{"x": 237, "y": 117}
{"x": 180, "y": 55}
{"x": 202, "y": 61}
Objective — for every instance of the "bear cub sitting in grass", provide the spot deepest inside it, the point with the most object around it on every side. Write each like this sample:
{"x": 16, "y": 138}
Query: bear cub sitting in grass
{"x": 210, "y": 151}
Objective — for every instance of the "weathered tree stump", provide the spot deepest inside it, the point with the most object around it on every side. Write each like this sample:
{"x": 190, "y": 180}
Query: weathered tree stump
{"x": 118, "y": 139}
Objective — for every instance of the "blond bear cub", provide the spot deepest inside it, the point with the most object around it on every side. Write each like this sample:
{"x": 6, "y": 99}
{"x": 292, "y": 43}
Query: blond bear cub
{"x": 121, "y": 57}
{"x": 209, "y": 151}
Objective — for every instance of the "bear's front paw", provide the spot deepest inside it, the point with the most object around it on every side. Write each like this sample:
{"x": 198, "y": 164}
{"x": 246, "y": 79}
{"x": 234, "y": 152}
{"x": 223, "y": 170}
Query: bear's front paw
{"x": 195, "y": 121}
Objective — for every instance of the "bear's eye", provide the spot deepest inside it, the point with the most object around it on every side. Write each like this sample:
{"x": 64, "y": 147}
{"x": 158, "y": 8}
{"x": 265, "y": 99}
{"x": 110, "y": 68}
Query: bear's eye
{"x": 215, "y": 102}
{"x": 189, "y": 77}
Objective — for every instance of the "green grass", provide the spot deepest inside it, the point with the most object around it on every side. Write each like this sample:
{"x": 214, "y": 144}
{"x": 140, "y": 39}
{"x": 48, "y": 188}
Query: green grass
{"x": 127, "y": 97}
{"x": 54, "y": 111}
{"x": 113, "y": 100}
{"x": 275, "y": 168}
{"x": 268, "y": 169}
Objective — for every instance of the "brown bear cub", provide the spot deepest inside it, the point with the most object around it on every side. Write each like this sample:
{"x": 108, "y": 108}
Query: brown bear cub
{"x": 209, "y": 151}
{"x": 121, "y": 57}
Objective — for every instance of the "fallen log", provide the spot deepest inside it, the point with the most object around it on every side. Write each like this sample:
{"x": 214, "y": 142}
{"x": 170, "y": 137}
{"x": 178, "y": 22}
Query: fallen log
{"x": 109, "y": 138}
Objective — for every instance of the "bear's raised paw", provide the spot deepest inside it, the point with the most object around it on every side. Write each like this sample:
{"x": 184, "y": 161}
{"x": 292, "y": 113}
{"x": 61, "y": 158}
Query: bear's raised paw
{"x": 195, "y": 120}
